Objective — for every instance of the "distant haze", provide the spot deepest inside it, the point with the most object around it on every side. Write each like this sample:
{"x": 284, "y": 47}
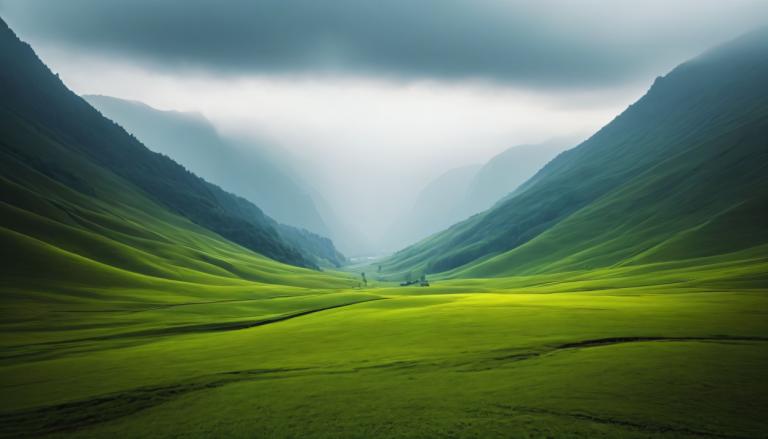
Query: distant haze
{"x": 373, "y": 100}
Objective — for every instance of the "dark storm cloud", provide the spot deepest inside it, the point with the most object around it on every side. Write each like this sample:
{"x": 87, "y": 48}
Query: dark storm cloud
{"x": 548, "y": 43}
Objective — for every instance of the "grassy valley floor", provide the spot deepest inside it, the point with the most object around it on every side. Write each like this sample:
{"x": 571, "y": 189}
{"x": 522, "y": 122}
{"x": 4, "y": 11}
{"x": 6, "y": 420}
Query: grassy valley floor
{"x": 662, "y": 351}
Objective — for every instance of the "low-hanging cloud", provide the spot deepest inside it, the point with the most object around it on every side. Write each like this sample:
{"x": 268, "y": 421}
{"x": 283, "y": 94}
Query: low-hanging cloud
{"x": 541, "y": 43}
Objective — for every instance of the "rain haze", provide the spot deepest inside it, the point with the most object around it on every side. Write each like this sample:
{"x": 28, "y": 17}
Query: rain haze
{"x": 371, "y": 101}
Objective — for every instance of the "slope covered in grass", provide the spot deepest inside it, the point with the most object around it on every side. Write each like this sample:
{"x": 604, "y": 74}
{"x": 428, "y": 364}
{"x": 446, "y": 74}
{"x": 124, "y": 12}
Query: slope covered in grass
{"x": 107, "y": 224}
{"x": 75, "y": 226}
{"x": 681, "y": 173}
{"x": 192, "y": 140}
{"x": 33, "y": 98}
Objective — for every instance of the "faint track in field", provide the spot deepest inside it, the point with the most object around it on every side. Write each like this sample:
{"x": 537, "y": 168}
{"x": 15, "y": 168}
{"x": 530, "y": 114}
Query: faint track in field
{"x": 76, "y": 415}
{"x": 516, "y": 354}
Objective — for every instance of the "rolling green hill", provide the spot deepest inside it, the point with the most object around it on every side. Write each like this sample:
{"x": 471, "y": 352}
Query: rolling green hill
{"x": 680, "y": 174}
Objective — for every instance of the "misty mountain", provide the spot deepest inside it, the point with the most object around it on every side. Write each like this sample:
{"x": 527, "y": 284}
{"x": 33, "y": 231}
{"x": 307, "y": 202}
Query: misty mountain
{"x": 49, "y": 134}
{"x": 682, "y": 173}
{"x": 236, "y": 165}
{"x": 437, "y": 206}
{"x": 506, "y": 171}
{"x": 462, "y": 192}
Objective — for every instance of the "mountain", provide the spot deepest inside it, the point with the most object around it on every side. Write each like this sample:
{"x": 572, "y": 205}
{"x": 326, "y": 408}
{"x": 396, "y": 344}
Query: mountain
{"x": 318, "y": 249}
{"x": 67, "y": 170}
{"x": 681, "y": 174}
{"x": 244, "y": 169}
{"x": 462, "y": 192}
{"x": 437, "y": 206}
{"x": 346, "y": 236}
{"x": 506, "y": 171}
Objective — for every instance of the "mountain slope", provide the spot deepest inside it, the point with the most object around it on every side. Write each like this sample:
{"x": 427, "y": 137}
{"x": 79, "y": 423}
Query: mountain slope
{"x": 506, "y": 171}
{"x": 61, "y": 231}
{"x": 437, "y": 206}
{"x": 666, "y": 179}
{"x": 49, "y": 130}
{"x": 192, "y": 140}
{"x": 462, "y": 192}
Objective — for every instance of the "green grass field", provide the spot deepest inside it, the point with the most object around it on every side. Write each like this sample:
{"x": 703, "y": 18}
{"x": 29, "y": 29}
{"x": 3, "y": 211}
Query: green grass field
{"x": 136, "y": 300}
{"x": 633, "y": 352}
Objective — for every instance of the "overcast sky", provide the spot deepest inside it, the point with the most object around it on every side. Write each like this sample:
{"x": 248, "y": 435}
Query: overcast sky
{"x": 377, "y": 97}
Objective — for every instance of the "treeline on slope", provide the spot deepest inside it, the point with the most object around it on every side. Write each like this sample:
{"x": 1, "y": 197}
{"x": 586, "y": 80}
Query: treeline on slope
{"x": 29, "y": 90}
{"x": 692, "y": 149}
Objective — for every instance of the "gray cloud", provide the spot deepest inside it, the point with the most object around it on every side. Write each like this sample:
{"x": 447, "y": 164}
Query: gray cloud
{"x": 544, "y": 43}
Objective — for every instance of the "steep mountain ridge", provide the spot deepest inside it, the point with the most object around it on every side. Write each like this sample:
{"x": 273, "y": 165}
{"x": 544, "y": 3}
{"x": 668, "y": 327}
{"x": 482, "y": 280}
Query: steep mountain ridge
{"x": 690, "y": 151}
{"x": 55, "y": 119}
